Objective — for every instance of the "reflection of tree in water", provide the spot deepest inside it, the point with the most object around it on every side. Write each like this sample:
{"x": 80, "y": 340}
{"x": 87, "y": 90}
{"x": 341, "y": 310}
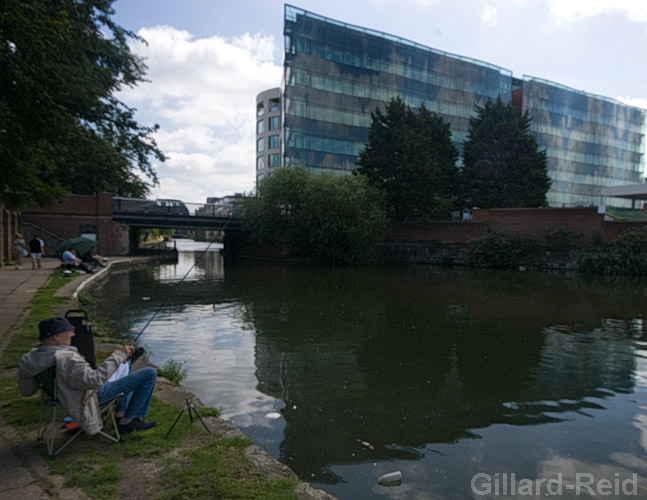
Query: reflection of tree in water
{"x": 403, "y": 357}
{"x": 400, "y": 360}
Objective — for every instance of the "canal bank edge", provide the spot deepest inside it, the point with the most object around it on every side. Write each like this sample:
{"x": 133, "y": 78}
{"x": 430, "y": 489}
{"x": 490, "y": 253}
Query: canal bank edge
{"x": 177, "y": 395}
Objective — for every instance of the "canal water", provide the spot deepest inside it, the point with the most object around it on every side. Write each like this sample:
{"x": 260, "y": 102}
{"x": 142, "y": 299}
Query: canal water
{"x": 465, "y": 381}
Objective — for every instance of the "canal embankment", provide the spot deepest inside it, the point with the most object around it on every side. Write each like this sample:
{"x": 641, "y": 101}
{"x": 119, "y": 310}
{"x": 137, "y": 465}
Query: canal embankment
{"x": 146, "y": 465}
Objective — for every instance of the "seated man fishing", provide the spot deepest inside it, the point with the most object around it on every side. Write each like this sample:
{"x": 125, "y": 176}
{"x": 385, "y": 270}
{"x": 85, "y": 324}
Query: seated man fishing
{"x": 80, "y": 388}
{"x": 71, "y": 261}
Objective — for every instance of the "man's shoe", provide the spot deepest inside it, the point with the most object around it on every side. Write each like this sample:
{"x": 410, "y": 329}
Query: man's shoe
{"x": 135, "y": 425}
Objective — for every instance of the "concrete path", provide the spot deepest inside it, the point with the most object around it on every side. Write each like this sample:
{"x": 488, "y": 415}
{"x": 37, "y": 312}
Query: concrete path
{"x": 23, "y": 473}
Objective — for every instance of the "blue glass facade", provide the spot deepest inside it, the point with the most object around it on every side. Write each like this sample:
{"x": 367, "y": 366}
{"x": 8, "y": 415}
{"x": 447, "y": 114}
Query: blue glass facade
{"x": 591, "y": 142}
{"x": 335, "y": 74}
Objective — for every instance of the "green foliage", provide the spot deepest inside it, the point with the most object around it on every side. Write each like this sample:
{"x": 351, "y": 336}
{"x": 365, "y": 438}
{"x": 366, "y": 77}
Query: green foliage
{"x": 633, "y": 241}
{"x": 497, "y": 250}
{"x": 334, "y": 219}
{"x": 560, "y": 236}
{"x": 502, "y": 164}
{"x": 100, "y": 480}
{"x": 61, "y": 62}
{"x": 220, "y": 470}
{"x": 173, "y": 371}
{"x": 626, "y": 257}
{"x": 410, "y": 157}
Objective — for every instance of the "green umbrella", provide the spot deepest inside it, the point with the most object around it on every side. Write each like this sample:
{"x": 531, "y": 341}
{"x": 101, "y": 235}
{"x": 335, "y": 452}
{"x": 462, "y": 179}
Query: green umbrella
{"x": 80, "y": 244}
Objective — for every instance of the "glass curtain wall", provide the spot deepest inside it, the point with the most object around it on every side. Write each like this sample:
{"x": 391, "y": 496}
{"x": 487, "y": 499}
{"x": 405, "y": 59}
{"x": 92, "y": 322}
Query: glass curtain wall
{"x": 335, "y": 74}
{"x": 591, "y": 142}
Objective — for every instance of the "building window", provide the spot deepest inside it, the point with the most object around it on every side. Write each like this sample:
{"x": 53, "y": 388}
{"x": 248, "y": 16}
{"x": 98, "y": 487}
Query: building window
{"x": 259, "y": 177}
{"x": 274, "y": 142}
{"x": 260, "y": 145}
{"x": 260, "y": 126}
{"x": 260, "y": 163}
{"x": 260, "y": 109}
{"x": 274, "y": 105}
{"x": 274, "y": 123}
{"x": 274, "y": 160}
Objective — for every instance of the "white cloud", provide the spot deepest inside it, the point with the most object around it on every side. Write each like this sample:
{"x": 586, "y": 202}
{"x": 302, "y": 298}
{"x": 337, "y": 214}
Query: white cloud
{"x": 489, "y": 16}
{"x": 571, "y": 11}
{"x": 639, "y": 102}
{"x": 202, "y": 92}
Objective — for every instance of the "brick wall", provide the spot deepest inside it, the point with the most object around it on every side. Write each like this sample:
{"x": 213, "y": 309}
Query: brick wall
{"x": 71, "y": 217}
{"x": 525, "y": 222}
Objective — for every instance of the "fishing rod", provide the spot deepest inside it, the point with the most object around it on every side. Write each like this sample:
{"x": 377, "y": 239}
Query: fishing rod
{"x": 164, "y": 301}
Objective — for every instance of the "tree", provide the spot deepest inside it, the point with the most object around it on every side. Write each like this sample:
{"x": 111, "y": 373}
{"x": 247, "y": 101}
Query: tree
{"x": 61, "y": 127}
{"x": 334, "y": 219}
{"x": 411, "y": 158}
{"x": 503, "y": 166}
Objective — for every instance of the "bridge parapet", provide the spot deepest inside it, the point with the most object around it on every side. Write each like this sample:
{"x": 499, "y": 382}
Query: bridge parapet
{"x": 176, "y": 214}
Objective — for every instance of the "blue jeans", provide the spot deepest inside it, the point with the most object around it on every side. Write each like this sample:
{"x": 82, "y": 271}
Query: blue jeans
{"x": 137, "y": 388}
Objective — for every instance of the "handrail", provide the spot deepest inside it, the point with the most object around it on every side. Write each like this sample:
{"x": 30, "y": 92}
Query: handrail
{"x": 42, "y": 229}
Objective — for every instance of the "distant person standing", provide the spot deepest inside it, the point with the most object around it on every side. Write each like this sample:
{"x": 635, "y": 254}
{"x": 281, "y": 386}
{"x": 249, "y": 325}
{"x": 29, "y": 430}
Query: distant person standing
{"x": 19, "y": 249}
{"x": 37, "y": 249}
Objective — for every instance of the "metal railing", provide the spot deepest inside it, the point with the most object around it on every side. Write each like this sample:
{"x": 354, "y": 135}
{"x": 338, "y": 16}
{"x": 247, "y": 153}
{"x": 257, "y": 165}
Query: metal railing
{"x": 230, "y": 208}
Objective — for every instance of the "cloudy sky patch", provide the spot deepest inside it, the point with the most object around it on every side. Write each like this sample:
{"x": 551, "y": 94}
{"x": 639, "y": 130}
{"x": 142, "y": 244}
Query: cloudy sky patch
{"x": 207, "y": 61}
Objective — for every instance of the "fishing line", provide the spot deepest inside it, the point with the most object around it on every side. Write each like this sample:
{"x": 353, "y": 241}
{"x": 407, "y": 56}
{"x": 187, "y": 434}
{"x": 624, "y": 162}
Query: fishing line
{"x": 178, "y": 284}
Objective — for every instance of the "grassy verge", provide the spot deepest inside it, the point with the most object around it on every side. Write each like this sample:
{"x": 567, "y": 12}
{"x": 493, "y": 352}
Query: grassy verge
{"x": 189, "y": 464}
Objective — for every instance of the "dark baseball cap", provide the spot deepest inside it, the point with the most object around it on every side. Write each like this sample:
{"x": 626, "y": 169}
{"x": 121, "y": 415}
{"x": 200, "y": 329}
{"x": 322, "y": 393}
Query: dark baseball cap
{"x": 53, "y": 326}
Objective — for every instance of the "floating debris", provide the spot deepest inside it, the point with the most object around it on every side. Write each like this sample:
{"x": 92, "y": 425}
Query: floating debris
{"x": 146, "y": 298}
{"x": 390, "y": 479}
{"x": 273, "y": 416}
{"x": 367, "y": 444}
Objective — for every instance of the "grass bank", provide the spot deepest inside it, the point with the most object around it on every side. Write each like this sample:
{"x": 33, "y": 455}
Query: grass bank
{"x": 190, "y": 463}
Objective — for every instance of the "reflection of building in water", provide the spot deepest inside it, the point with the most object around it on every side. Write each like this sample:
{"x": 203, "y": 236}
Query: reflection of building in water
{"x": 225, "y": 206}
{"x": 212, "y": 261}
{"x": 576, "y": 364}
{"x": 423, "y": 388}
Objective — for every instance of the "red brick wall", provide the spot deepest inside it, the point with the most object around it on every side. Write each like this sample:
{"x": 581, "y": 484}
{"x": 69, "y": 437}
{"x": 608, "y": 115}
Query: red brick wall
{"x": 525, "y": 222}
{"x": 66, "y": 218}
{"x": 441, "y": 232}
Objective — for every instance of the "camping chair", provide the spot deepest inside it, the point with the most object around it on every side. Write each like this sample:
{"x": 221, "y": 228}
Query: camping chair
{"x": 49, "y": 423}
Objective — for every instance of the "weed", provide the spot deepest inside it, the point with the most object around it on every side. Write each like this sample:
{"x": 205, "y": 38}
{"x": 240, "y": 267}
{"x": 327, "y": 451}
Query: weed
{"x": 174, "y": 371}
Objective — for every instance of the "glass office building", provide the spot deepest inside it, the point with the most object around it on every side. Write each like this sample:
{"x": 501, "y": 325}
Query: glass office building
{"x": 336, "y": 74}
{"x": 591, "y": 141}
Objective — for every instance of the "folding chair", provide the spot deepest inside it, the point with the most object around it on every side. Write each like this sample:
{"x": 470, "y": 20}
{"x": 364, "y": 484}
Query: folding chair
{"x": 49, "y": 424}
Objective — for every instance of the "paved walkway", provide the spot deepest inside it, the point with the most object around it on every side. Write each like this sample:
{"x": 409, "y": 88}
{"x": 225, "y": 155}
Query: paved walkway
{"x": 23, "y": 473}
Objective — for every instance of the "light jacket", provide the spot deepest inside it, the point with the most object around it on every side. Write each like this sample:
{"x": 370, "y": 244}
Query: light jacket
{"x": 76, "y": 381}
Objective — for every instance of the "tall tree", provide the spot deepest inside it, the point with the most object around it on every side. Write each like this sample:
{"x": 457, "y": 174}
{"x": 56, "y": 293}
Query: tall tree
{"x": 335, "y": 219}
{"x": 411, "y": 158}
{"x": 61, "y": 127}
{"x": 503, "y": 166}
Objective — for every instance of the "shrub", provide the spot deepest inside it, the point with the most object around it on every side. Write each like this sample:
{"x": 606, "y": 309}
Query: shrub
{"x": 174, "y": 371}
{"x": 497, "y": 250}
{"x": 627, "y": 256}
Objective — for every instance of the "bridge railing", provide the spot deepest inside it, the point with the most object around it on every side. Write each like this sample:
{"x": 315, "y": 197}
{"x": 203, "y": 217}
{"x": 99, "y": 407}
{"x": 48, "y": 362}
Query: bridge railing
{"x": 231, "y": 209}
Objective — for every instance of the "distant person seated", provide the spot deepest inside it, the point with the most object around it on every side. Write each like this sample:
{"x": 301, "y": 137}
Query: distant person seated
{"x": 93, "y": 257}
{"x": 71, "y": 261}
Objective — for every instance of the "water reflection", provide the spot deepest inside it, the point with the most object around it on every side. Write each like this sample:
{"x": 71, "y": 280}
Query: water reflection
{"x": 441, "y": 374}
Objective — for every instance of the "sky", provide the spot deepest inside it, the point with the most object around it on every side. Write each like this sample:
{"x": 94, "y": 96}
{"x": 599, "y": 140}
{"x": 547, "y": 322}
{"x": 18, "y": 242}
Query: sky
{"x": 208, "y": 59}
